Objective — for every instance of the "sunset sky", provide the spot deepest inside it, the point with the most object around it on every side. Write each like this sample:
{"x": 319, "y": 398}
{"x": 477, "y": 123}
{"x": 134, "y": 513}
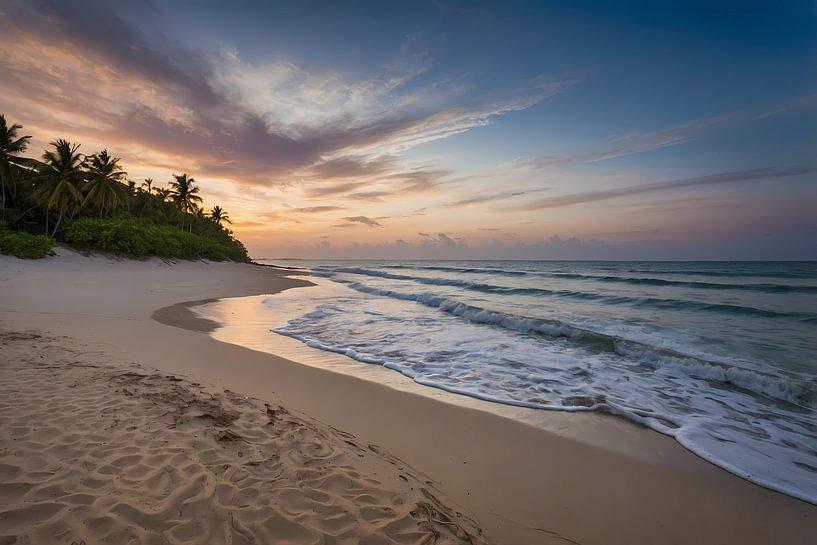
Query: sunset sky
{"x": 558, "y": 130}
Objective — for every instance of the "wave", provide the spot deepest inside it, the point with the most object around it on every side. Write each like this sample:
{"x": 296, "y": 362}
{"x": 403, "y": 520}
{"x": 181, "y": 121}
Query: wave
{"x": 688, "y": 430}
{"x": 765, "y": 288}
{"x": 649, "y": 418}
{"x": 733, "y": 274}
{"x": 795, "y": 390}
{"x": 679, "y": 271}
{"x": 661, "y": 422}
{"x": 757, "y": 287}
{"x": 719, "y": 361}
{"x": 467, "y": 284}
{"x": 459, "y": 269}
{"x": 651, "y": 302}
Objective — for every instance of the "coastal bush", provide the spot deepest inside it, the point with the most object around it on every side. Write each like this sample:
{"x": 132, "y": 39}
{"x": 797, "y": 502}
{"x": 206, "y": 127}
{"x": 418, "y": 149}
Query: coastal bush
{"x": 140, "y": 238}
{"x": 87, "y": 200}
{"x": 24, "y": 245}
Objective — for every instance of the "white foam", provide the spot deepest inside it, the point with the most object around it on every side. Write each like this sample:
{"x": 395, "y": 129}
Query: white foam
{"x": 724, "y": 413}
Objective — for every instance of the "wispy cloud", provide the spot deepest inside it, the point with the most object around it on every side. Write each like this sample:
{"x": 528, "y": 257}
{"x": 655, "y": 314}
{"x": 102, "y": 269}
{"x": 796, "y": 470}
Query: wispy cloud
{"x": 370, "y": 222}
{"x": 676, "y": 204}
{"x": 327, "y": 188}
{"x": 417, "y": 180}
{"x": 373, "y": 196}
{"x": 398, "y": 182}
{"x": 490, "y": 197}
{"x": 708, "y": 180}
{"x": 352, "y": 167}
{"x": 417, "y": 212}
{"x": 317, "y": 209}
{"x": 629, "y": 144}
{"x": 91, "y": 72}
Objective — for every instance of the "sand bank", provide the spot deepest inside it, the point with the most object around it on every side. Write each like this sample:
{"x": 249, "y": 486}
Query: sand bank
{"x": 577, "y": 478}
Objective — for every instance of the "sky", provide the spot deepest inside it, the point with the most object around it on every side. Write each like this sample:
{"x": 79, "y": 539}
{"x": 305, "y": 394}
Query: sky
{"x": 445, "y": 130}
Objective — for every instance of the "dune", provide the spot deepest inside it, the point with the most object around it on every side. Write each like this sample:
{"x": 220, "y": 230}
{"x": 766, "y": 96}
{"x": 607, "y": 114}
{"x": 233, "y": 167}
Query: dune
{"x": 118, "y": 427}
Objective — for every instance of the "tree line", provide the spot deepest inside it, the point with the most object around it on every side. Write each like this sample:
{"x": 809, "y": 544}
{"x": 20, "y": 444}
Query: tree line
{"x": 48, "y": 194}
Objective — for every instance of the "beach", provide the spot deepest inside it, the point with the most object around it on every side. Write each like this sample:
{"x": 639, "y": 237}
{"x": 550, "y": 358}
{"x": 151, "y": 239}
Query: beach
{"x": 98, "y": 350}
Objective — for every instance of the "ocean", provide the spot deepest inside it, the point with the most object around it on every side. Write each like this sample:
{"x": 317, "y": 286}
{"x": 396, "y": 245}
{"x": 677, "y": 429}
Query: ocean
{"x": 720, "y": 356}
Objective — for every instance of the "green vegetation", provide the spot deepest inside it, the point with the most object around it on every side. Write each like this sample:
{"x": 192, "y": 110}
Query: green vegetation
{"x": 87, "y": 201}
{"x": 24, "y": 245}
{"x": 137, "y": 237}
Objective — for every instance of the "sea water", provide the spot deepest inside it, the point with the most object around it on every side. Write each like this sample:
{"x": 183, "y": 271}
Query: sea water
{"x": 720, "y": 356}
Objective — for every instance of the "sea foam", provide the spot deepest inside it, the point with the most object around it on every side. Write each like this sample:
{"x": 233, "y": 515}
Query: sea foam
{"x": 475, "y": 337}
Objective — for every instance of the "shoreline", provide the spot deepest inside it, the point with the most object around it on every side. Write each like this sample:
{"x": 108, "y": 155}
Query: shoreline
{"x": 182, "y": 315}
{"x": 518, "y": 411}
{"x": 647, "y": 489}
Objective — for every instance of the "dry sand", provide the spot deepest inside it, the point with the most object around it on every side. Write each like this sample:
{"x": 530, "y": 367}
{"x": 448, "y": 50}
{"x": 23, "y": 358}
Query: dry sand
{"x": 573, "y": 478}
{"x": 98, "y": 452}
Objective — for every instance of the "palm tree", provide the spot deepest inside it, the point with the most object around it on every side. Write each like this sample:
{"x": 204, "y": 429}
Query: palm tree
{"x": 185, "y": 195}
{"x": 60, "y": 176}
{"x": 104, "y": 190}
{"x": 164, "y": 193}
{"x": 148, "y": 183}
{"x": 11, "y": 165}
{"x": 218, "y": 215}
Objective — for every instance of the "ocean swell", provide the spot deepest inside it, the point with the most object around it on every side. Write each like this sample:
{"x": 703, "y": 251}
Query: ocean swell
{"x": 723, "y": 368}
{"x": 652, "y": 302}
{"x": 798, "y": 391}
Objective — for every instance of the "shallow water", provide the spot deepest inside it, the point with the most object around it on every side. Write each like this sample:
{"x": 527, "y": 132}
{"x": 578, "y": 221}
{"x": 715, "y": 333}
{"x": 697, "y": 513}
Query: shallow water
{"x": 720, "y": 356}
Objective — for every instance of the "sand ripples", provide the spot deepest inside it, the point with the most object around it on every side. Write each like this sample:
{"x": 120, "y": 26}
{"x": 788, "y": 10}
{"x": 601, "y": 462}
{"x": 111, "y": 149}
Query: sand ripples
{"x": 107, "y": 454}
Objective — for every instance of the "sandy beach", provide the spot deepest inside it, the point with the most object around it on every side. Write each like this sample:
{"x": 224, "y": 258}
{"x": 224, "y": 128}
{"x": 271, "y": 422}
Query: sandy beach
{"x": 123, "y": 421}
{"x": 109, "y": 454}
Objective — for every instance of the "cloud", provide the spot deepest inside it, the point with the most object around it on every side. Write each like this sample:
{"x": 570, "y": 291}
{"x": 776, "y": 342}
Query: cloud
{"x": 676, "y": 204}
{"x": 417, "y": 180}
{"x": 116, "y": 73}
{"x": 417, "y": 212}
{"x": 711, "y": 179}
{"x": 351, "y": 167}
{"x": 364, "y": 220}
{"x": 325, "y": 189}
{"x": 400, "y": 182}
{"x": 317, "y": 209}
{"x": 629, "y": 144}
{"x": 249, "y": 224}
{"x": 479, "y": 199}
{"x": 774, "y": 246}
{"x": 447, "y": 242}
{"x": 374, "y": 196}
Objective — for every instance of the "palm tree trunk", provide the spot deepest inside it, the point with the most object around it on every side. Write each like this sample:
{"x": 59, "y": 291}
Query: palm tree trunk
{"x": 3, "y": 196}
{"x": 46, "y": 221}
{"x": 59, "y": 219}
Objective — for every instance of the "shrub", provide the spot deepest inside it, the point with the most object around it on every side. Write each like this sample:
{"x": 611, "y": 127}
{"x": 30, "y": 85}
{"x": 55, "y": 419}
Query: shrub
{"x": 139, "y": 238}
{"x": 24, "y": 245}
